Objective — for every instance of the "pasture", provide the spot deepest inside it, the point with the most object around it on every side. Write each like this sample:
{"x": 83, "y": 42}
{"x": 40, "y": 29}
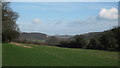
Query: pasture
{"x": 14, "y": 55}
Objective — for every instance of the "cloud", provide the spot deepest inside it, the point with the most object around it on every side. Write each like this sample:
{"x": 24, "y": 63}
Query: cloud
{"x": 109, "y": 14}
{"x": 36, "y": 20}
{"x": 74, "y": 26}
{"x": 70, "y": 27}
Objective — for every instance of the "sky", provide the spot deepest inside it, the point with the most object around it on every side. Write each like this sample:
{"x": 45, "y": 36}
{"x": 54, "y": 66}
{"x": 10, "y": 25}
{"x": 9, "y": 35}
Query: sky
{"x": 66, "y": 18}
{"x": 62, "y": 0}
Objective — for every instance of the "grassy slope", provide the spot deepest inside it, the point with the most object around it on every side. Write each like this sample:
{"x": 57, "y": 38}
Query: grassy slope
{"x": 54, "y": 56}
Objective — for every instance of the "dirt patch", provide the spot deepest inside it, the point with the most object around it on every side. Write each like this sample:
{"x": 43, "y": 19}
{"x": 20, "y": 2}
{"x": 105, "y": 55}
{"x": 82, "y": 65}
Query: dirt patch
{"x": 20, "y": 45}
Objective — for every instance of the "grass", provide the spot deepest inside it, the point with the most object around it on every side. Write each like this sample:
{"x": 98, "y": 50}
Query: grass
{"x": 55, "y": 56}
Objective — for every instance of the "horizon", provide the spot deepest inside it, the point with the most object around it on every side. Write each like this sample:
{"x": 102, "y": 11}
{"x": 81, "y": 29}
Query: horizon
{"x": 66, "y": 18}
{"x": 64, "y": 34}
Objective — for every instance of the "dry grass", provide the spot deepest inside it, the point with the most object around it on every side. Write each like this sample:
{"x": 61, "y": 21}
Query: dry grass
{"x": 20, "y": 45}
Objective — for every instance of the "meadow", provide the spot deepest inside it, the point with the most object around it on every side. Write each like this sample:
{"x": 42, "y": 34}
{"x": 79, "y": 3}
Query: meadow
{"x": 43, "y": 55}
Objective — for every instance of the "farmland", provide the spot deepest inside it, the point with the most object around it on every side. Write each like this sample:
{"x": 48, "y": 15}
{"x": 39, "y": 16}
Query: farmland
{"x": 43, "y": 55}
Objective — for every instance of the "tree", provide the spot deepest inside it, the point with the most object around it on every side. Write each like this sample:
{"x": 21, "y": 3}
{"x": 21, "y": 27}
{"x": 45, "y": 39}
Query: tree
{"x": 108, "y": 42}
{"x": 94, "y": 44}
{"x": 64, "y": 44}
{"x": 10, "y": 29}
{"x": 81, "y": 41}
{"x": 116, "y": 31}
{"x": 0, "y": 22}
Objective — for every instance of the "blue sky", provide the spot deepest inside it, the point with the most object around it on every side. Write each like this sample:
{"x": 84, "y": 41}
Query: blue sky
{"x": 66, "y": 17}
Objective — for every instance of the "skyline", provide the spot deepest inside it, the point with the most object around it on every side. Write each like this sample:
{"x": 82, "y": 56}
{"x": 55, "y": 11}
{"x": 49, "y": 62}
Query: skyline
{"x": 68, "y": 18}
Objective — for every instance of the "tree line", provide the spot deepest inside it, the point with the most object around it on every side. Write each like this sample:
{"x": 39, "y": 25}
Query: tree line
{"x": 109, "y": 40}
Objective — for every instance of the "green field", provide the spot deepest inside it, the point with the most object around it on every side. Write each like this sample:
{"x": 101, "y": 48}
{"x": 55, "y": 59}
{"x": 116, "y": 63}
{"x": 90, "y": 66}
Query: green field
{"x": 55, "y": 56}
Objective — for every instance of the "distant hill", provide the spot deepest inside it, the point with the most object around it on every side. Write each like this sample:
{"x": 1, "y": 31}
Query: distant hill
{"x": 42, "y": 36}
{"x": 32, "y": 36}
{"x": 99, "y": 34}
{"x": 64, "y": 36}
{"x": 92, "y": 35}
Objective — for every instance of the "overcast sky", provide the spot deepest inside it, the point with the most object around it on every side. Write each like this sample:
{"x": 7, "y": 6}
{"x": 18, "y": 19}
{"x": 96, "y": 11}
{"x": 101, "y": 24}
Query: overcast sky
{"x": 66, "y": 17}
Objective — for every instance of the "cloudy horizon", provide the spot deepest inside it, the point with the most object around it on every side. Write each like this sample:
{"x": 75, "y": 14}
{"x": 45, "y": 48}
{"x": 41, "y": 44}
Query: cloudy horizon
{"x": 66, "y": 18}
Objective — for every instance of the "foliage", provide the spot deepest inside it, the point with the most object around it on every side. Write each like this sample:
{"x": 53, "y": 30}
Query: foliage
{"x": 79, "y": 42}
{"x": 10, "y": 29}
{"x": 107, "y": 40}
{"x": 94, "y": 44}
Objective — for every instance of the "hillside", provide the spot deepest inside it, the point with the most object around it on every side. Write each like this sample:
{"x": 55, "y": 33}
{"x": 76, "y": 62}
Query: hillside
{"x": 106, "y": 40}
{"x": 64, "y": 36}
{"x": 42, "y": 36}
{"x": 92, "y": 35}
{"x": 33, "y": 55}
{"x": 33, "y": 36}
